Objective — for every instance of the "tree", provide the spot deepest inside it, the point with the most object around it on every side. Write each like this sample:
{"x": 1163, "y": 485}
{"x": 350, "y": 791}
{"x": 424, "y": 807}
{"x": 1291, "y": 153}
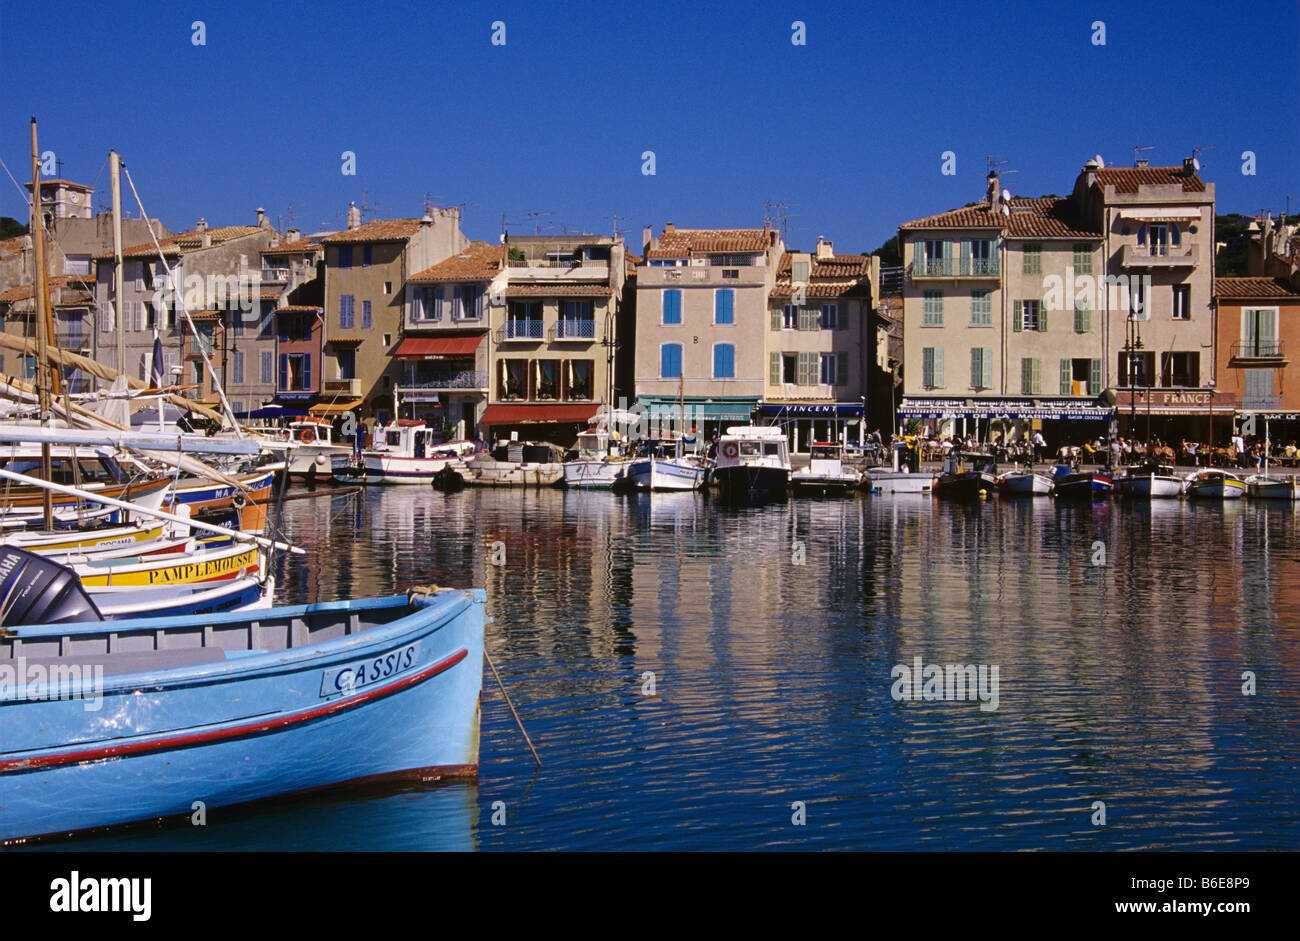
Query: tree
{"x": 11, "y": 227}
{"x": 890, "y": 256}
{"x": 1230, "y": 231}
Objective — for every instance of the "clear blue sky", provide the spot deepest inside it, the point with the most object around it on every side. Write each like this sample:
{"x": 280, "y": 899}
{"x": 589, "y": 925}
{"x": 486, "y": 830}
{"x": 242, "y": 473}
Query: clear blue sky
{"x": 849, "y": 129}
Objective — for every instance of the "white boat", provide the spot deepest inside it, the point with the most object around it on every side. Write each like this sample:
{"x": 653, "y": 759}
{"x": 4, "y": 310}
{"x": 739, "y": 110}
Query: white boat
{"x": 663, "y": 464}
{"x": 598, "y": 466}
{"x": 516, "y": 464}
{"x": 753, "y": 461}
{"x": 904, "y": 476}
{"x": 825, "y": 472}
{"x": 312, "y": 452}
{"x": 1024, "y": 483}
{"x": 1149, "y": 482}
{"x": 1264, "y": 487}
{"x": 1212, "y": 484}
{"x": 406, "y": 452}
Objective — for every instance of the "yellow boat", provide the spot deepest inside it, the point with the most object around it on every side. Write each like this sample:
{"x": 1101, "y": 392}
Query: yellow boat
{"x": 206, "y": 565}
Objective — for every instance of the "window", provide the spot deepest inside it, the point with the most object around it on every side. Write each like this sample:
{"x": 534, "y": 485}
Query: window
{"x": 1031, "y": 376}
{"x": 672, "y": 306}
{"x": 424, "y": 304}
{"x": 799, "y": 270}
{"x": 295, "y": 372}
{"x": 1082, "y": 258}
{"x": 347, "y": 363}
{"x": 345, "y": 256}
{"x": 1157, "y": 238}
{"x": 1137, "y": 368}
{"x": 790, "y": 316}
{"x": 724, "y": 306}
{"x": 1080, "y": 377}
{"x": 524, "y": 320}
{"x": 981, "y": 368}
{"x": 237, "y": 367}
{"x": 1028, "y": 315}
{"x": 1180, "y": 369}
{"x": 268, "y": 360}
{"x": 1182, "y": 302}
{"x": 472, "y": 302}
{"x": 1082, "y": 317}
{"x": 830, "y": 369}
{"x": 981, "y": 308}
{"x": 932, "y": 367}
{"x": 724, "y": 361}
{"x": 388, "y": 339}
{"x": 789, "y": 367}
{"x": 388, "y": 287}
{"x": 980, "y": 254}
{"x": 934, "y": 256}
{"x": 932, "y": 313}
{"x": 830, "y": 318}
{"x": 365, "y": 315}
{"x": 577, "y": 321}
{"x": 347, "y": 307}
{"x": 727, "y": 261}
{"x": 580, "y": 371}
{"x": 670, "y": 361}
{"x": 1137, "y": 299}
{"x": 1033, "y": 257}
{"x": 365, "y": 256}
{"x": 730, "y": 273}
{"x": 1259, "y": 332}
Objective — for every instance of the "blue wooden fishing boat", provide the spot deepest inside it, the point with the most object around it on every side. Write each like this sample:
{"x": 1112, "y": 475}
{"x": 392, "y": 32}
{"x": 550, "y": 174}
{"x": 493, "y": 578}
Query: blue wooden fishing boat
{"x": 1084, "y": 485}
{"x": 147, "y": 716}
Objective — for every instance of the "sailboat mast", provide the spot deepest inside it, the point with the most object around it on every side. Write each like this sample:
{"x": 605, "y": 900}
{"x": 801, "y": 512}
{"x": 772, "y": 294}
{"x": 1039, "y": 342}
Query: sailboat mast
{"x": 119, "y": 278}
{"x": 42, "y": 304}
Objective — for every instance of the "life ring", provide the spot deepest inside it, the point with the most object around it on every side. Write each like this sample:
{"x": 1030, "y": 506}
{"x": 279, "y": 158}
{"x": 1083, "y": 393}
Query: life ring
{"x": 308, "y": 435}
{"x": 729, "y": 449}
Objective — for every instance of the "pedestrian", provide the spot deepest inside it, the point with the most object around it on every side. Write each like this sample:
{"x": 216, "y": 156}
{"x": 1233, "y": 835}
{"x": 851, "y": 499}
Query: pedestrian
{"x": 1039, "y": 445}
{"x": 1239, "y": 449}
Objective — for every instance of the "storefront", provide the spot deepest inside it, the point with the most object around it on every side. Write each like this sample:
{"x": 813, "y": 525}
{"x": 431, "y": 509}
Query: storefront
{"x": 1062, "y": 421}
{"x": 1202, "y": 415}
{"x": 806, "y": 422}
{"x": 664, "y": 416}
{"x": 557, "y": 423}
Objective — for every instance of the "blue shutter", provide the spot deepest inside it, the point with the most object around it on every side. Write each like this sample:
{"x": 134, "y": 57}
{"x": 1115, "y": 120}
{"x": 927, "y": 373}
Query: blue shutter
{"x": 365, "y": 256}
{"x": 673, "y": 306}
{"x": 725, "y": 304}
{"x": 1142, "y": 234}
{"x": 284, "y": 371}
{"x": 365, "y": 315}
{"x": 345, "y": 256}
{"x": 306, "y": 372}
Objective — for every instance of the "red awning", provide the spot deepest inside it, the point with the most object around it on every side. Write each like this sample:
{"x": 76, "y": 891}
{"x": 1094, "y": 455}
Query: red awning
{"x": 437, "y": 347}
{"x": 537, "y": 414}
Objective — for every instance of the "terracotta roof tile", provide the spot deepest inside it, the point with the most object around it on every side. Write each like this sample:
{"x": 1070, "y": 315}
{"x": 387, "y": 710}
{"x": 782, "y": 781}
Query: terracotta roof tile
{"x": 1128, "y": 179}
{"x": 1245, "y": 288}
{"x": 376, "y": 230}
{"x": 13, "y": 246}
{"x": 191, "y": 241}
{"x": 24, "y": 292}
{"x": 300, "y": 308}
{"x": 679, "y": 243}
{"x": 558, "y": 289}
{"x": 837, "y": 276}
{"x": 300, "y": 247}
{"x": 476, "y": 263}
{"x": 1029, "y": 217}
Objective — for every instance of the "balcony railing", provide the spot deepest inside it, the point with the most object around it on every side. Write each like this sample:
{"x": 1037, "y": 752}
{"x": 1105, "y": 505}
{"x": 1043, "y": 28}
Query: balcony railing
{"x": 522, "y": 330}
{"x": 1260, "y": 402}
{"x": 350, "y": 387}
{"x": 1159, "y": 256}
{"x": 275, "y": 274}
{"x": 465, "y": 379}
{"x": 1258, "y": 349}
{"x": 955, "y": 268}
{"x": 574, "y": 330}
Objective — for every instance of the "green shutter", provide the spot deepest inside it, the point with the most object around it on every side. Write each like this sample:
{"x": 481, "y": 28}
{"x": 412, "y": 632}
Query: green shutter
{"x": 976, "y": 367}
{"x": 814, "y": 317}
{"x": 987, "y": 376}
{"x": 776, "y": 317}
{"x": 774, "y": 369}
{"x": 1037, "y": 382}
{"x": 938, "y": 367}
{"x": 965, "y": 256}
{"x": 1017, "y": 316}
{"x": 1082, "y": 317}
{"x": 1066, "y": 376}
{"x": 1094, "y": 377}
{"x": 803, "y": 371}
{"x": 1042, "y": 317}
{"x": 927, "y": 367}
{"x": 841, "y": 369}
{"x": 1026, "y": 375}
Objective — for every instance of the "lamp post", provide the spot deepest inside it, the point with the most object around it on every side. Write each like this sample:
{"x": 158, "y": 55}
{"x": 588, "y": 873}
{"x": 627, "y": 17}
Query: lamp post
{"x": 1132, "y": 345}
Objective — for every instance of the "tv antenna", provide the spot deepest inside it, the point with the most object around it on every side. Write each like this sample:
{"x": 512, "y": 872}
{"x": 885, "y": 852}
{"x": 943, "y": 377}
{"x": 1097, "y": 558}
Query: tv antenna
{"x": 536, "y": 216}
{"x": 369, "y": 206}
{"x": 615, "y": 231}
{"x": 1138, "y": 150}
{"x": 775, "y": 216}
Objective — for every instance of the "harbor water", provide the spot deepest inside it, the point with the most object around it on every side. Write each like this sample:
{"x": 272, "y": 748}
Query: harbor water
{"x": 697, "y": 676}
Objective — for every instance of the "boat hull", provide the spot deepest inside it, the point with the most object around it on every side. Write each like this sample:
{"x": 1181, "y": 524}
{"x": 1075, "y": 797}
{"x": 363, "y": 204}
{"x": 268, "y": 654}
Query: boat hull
{"x": 1150, "y": 487}
{"x": 593, "y": 475}
{"x": 740, "y": 482}
{"x": 668, "y": 474}
{"x": 1276, "y": 488}
{"x": 242, "y": 726}
{"x": 1025, "y": 485}
{"x": 966, "y": 486}
{"x": 1083, "y": 486}
{"x": 891, "y": 482}
{"x": 1216, "y": 489}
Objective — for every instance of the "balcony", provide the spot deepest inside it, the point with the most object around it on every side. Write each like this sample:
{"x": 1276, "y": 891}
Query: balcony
{"x": 274, "y": 275}
{"x": 444, "y": 379}
{"x": 1260, "y": 403}
{"x": 956, "y": 268}
{"x": 348, "y": 387}
{"x": 1159, "y": 256}
{"x": 1258, "y": 353}
{"x": 520, "y": 330}
{"x": 574, "y": 330}
{"x": 71, "y": 340}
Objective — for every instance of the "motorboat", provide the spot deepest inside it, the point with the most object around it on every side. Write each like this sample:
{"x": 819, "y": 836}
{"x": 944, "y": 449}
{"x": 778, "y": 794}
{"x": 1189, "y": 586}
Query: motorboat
{"x": 312, "y": 453}
{"x": 753, "y": 462}
{"x": 904, "y": 476}
{"x": 967, "y": 476}
{"x": 825, "y": 473}
{"x": 1069, "y": 484}
{"x": 1213, "y": 484}
{"x": 408, "y": 452}
{"x": 1018, "y": 483}
{"x": 1150, "y": 481}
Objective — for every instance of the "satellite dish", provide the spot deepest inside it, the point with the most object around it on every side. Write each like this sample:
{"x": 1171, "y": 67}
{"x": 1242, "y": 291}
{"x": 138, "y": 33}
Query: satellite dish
{"x": 1101, "y": 164}
{"x": 502, "y": 238}
{"x": 1006, "y": 196}
{"x": 1196, "y": 164}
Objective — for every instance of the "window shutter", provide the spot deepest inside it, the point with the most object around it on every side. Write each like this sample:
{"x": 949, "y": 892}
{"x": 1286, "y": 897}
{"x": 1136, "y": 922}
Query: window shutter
{"x": 365, "y": 315}
{"x": 927, "y": 367}
{"x": 802, "y": 374}
{"x": 987, "y": 376}
{"x": 976, "y": 367}
{"x": 841, "y": 316}
{"x": 1173, "y": 233}
{"x": 1017, "y": 316}
{"x": 947, "y": 256}
{"x": 306, "y": 372}
{"x": 284, "y": 371}
{"x": 841, "y": 369}
{"x": 1042, "y": 317}
{"x": 1142, "y": 234}
{"x": 774, "y": 369}
{"x": 776, "y": 318}
{"x": 1037, "y": 382}
{"x": 918, "y": 257}
{"x": 938, "y": 367}
{"x": 965, "y": 256}
{"x": 1094, "y": 377}
{"x": 1026, "y": 376}
{"x": 1066, "y": 377}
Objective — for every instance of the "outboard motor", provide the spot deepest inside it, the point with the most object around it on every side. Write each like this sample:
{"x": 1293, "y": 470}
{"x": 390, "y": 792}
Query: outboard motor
{"x": 38, "y": 590}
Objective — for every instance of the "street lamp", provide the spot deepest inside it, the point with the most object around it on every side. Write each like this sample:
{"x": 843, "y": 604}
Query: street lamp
{"x": 1132, "y": 344}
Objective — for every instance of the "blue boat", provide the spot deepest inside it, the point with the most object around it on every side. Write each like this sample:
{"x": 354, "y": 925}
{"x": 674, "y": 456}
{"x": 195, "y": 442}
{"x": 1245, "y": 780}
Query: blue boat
{"x": 108, "y": 723}
{"x": 1085, "y": 485}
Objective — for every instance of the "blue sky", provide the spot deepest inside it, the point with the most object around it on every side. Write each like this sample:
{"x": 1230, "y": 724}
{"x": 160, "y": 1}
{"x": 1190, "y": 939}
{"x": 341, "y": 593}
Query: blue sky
{"x": 849, "y": 129}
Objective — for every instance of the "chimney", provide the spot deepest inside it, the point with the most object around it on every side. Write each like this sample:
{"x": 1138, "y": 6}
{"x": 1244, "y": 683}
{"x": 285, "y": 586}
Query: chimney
{"x": 207, "y": 239}
{"x": 646, "y": 237}
{"x": 668, "y": 227}
{"x": 824, "y": 249}
{"x": 426, "y": 220}
{"x": 261, "y": 218}
{"x": 354, "y": 216}
{"x": 293, "y": 235}
{"x": 1142, "y": 162}
{"x": 992, "y": 191}
{"x": 1189, "y": 166}
{"x": 202, "y": 226}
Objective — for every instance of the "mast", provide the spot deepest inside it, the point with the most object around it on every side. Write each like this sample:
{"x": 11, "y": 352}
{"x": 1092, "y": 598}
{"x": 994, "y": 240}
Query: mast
{"x": 43, "y": 375}
{"x": 115, "y": 164}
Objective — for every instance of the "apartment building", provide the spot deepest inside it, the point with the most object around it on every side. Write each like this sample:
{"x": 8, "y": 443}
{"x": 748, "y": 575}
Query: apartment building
{"x": 367, "y": 267}
{"x": 820, "y": 345}
{"x": 703, "y": 299}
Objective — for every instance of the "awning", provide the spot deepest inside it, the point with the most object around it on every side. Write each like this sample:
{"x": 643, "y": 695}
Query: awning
{"x": 346, "y": 341}
{"x": 272, "y": 411}
{"x": 810, "y": 410}
{"x": 1027, "y": 410}
{"x": 437, "y": 347}
{"x": 698, "y": 408}
{"x": 538, "y": 414}
{"x": 334, "y": 408}
{"x": 1159, "y": 214}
